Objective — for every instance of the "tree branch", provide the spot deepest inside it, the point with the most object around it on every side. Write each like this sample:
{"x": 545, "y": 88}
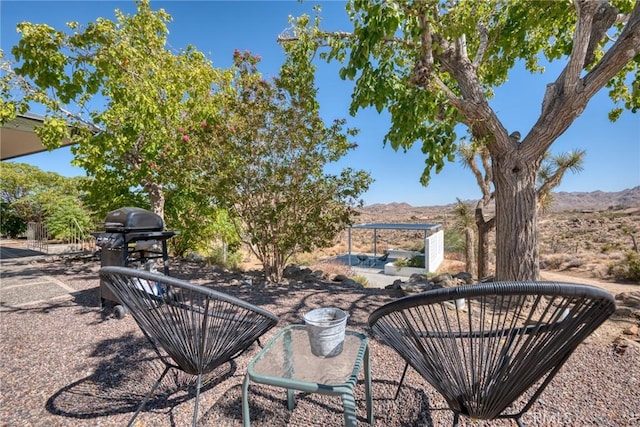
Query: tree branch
{"x": 586, "y": 10}
{"x": 482, "y": 48}
{"x": 623, "y": 50}
{"x": 321, "y": 37}
{"x": 461, "y": 47}
{"x": 605, "y": 16}
{"x": 558, "y": 102}
{"x": 488, "y": 171}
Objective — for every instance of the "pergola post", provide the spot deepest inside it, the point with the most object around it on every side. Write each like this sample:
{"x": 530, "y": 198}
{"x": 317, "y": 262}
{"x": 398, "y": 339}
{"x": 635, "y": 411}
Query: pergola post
{"x": 375, "y": 242}
{"x": 349, "y": 245}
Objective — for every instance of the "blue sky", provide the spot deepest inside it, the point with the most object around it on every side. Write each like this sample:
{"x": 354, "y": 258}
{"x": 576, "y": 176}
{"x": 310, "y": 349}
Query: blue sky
{"x": 216, "y": 28}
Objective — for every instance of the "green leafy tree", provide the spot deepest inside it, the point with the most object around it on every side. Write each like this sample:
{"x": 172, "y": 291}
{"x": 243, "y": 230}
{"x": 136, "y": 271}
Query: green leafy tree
{"x": 201, "y": 223}
{"x": 10, "y": 223}
{"x": 433, "y": 65}
{"x": 66, "y": 218}
{"x": 130, "y": 143}
{"x": 26, "y": 189}
{"x": 268, "y": 154}
{"x": 29, "y": 194}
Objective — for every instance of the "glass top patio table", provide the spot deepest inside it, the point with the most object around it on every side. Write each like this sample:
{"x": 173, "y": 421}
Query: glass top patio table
{"x": 286, "y": 361}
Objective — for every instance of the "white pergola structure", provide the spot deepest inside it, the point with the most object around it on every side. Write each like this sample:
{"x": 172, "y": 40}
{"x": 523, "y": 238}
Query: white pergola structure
{"x": 433, "y": 239}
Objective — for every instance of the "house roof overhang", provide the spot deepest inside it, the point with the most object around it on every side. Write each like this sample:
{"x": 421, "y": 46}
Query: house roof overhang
{"x": 18, "y": 137}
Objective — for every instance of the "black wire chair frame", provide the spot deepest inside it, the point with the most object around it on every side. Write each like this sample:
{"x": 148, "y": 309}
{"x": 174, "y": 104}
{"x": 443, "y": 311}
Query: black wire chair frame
{"x": 191, "y": 328}
{"x": 508, "y": 341}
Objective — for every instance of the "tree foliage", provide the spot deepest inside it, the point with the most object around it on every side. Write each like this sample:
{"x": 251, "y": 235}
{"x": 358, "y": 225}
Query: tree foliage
{"x": 224, "y": 152}
{"x": 125, "y": 94}
{"x": 121, "y": 94}
{"x": 28, "y": 193}
{"x": 433, "y": 65}
{"x": 267, "y": 154}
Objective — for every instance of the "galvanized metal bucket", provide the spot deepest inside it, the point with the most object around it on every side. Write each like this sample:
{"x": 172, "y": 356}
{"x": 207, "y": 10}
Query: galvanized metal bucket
{"x": 325, "y": 327}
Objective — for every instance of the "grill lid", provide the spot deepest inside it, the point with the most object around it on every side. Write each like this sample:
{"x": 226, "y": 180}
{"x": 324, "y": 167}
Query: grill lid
{"x": 132, "y": 219}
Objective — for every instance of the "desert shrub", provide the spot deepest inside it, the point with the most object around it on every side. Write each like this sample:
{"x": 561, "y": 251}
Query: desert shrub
{"x": 416, "y": 261}
{"x": 333, "y": 268}
{"x": 454, "y": 240}
{"x": 617, "y": 256}
{"x": 628, "y": 268}
{"x": 360, "y": 279}
{"x": 417, "y": 247}
{"x": 306, "y": 259}
{"x": 401, "y": 262}
{"x": 607, "y": 247}
{"x": 552, "y": 262}
{"x": 217, "y": 257}
{"x": 575, "y": 263}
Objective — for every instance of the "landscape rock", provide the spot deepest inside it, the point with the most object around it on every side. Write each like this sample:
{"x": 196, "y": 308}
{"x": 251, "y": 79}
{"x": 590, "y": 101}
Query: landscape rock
{"x": 350, "y": 282}
{"x": 395, "y": 285}
{"x": 293, "y": 271}
{"x": 623, "y": 312}
{"x": 195, "y": 258}
{"x": 442, "y": 278}
{"x": 418, "y": 278}
{"x": 467, "y": 278}
{"x": 317, "y": 274}
{"x": 631, "y": 330}
{"x": 620, "y": 345}
{"x": 629, "y": 299}
{"x": 448, "y": 282}
{"x": 415, "y": 288}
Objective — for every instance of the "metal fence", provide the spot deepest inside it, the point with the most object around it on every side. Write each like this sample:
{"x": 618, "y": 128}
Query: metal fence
{"x": 77, "y": 239}
{"x": 37, "y": 237}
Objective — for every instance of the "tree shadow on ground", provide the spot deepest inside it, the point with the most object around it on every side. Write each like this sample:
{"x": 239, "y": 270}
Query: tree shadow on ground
{"x": 87, "y": 299}
{"x": 308, "y": 295}
{"x": 128, "y": 370}
{"x": 268, "y": 407}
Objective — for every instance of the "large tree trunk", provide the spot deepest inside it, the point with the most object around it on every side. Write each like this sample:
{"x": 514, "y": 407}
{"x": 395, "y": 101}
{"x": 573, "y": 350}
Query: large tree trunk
{"x": 516, "y": 217}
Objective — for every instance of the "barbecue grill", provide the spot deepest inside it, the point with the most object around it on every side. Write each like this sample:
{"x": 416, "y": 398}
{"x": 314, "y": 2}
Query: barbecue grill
{"x": 132, "y": 237}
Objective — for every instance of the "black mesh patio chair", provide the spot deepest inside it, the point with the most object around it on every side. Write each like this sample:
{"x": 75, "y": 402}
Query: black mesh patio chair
{"x": 192, "y": 328}
{"x": 492, "y": 348}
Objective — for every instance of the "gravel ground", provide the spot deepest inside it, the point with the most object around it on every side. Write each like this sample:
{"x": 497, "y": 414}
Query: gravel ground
{"x": 65, "y": 363}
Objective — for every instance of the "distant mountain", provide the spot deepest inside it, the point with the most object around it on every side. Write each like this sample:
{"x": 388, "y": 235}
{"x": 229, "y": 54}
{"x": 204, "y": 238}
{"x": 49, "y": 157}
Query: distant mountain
{"x": 389, "y": 206}
{"x": 596, "y": 200}
{"x": 562, "y": 201}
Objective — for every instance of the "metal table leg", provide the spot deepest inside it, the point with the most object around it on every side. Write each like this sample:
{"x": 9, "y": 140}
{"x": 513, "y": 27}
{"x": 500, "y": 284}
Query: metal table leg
{"x": 367, "y": 386}
{"x": 349, "y": 407}
{"x": 246, "y": 422}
